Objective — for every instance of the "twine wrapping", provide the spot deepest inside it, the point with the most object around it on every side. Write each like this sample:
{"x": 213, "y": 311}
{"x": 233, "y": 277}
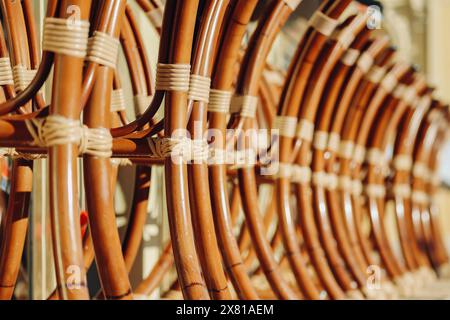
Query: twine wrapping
{"x": 6, "y": 75}
{"x": 103, "y": 49}
{"x": 199, "y": 88}
{"x": 66, "y": 36}
{"x": 173, "y": 77}
{"x": 219, "y": 101}
{"x": 22, "y": 77}
{"x": 117, "y": 100}
{"x": 245, "y": 105}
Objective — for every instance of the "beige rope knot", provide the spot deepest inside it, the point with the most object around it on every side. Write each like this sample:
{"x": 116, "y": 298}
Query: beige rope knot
{"x": 8, "y": 152}
{"x": 173, "y": 77}
{"x": 186, "y": 149}
{"x": 245, "y": 105}
{"x": 58, "y": 130}
{"x": 117, "y": 100}
{"x": 54, "y": 130}
{"x": 286, "y": 126}
{"x": 199, "y": 88}
{"x": 96, "y": 142}
{"x": 323, "y": 23}
{"x": 66, "y": 36}
{"x": 161, "y": 148}
{"x": 103, "y": 49}
{"x": 6, "y": 75}
{"x": 219, "y": 101}
{"x": 156, "y": 17}
{"x": 22, "y": 77}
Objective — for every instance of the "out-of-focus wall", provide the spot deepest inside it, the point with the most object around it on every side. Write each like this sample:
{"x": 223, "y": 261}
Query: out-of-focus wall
{"x": 419, "y": 28}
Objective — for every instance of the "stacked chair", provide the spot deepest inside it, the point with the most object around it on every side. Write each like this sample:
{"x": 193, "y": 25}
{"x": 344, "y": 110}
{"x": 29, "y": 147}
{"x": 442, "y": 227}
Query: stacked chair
{"x": 349, "y": 130}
